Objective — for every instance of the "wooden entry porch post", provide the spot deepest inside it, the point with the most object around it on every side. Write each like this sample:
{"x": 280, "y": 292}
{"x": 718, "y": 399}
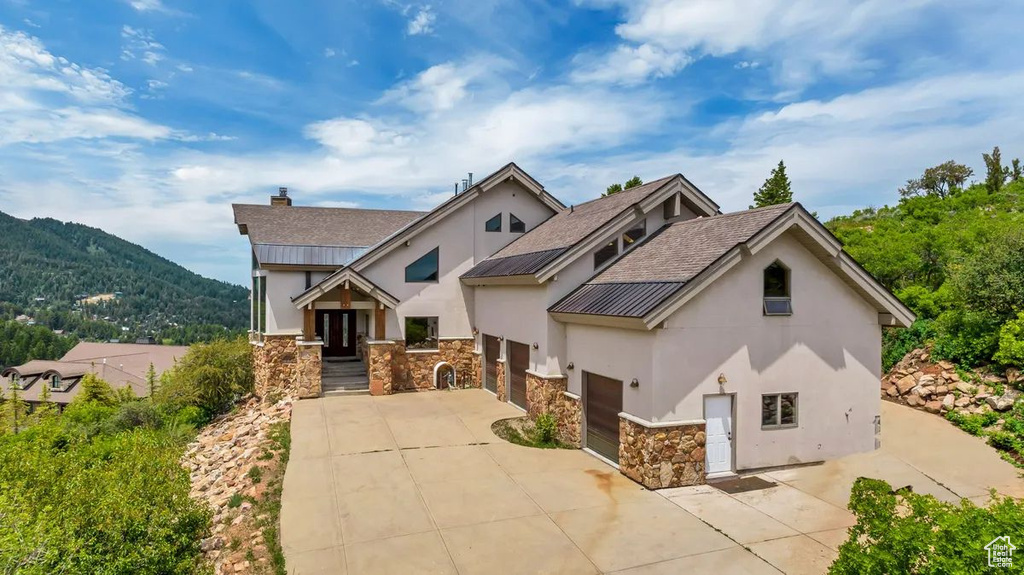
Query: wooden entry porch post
{"x": 308, "y": 323}
{"x": 379, "y": 321}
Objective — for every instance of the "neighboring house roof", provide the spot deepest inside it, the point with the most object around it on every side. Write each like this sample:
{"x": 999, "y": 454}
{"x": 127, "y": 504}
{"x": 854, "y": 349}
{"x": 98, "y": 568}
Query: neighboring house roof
{"x": 544, "y": 245}
{"x": 507, "y": 172}
{"x": 672, "y": 265}
{"x": 120, "y": 364}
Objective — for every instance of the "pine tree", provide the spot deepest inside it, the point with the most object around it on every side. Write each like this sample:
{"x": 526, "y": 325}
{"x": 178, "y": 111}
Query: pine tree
{"x": 775, "y": 189}
{"x": 95, "y": 389}
{"x": 1015, "y": 171}
{"x": 13, "y": 412}
{"x": 633, "y": 182}
{"x": 46, "y": 406}
{"x": 151, "y": 379}
{"x": 616, "y": 188}
{"x": 612, "y": 189}
{"x": 995, "y": 173}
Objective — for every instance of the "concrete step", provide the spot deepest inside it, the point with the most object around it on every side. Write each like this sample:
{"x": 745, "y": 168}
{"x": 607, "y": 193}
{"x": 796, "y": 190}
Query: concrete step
{"x": 345, "y": 392}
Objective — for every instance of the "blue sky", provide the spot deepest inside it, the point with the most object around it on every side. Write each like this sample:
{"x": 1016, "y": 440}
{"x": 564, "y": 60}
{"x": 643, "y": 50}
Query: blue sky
{"x": 147, "y": 118}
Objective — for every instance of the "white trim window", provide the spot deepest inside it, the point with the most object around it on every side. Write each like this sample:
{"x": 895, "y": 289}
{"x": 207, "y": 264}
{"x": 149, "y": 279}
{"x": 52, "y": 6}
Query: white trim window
{"x": 777, "y": 299}
{"x": 779, "y": 410}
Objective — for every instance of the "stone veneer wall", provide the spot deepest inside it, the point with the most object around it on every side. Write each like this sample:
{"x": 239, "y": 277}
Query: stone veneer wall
{"x": 549, "y": 395}
{"x": 281, "y": 364}
{"x": 662, "y": 456}
{"x": 392, "y": 368}
{"x": 499, "y": 376}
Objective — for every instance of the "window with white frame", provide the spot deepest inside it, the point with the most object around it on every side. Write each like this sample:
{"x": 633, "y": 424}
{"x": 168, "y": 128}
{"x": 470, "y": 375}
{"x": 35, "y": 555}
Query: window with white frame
{"x": 779, "y": 410}
{"x": 777, "y": 300}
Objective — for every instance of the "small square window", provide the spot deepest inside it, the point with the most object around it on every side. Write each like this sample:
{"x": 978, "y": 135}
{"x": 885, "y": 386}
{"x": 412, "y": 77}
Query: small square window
{"x": 493, "y": 224}
{"x": 421, "y": 333}
{"x": 778, "y": 410}
{"x": 606, "y": 253}
{"x": 516, "y": 225}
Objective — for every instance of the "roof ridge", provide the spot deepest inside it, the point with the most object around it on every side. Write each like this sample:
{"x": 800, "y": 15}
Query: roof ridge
{"x": 782, "y": 207}
{"x": 352, "y": 209}
{"x": 634, "y": 188}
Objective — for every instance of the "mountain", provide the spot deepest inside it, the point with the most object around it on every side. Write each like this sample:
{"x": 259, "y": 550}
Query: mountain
{"x": 97, "y": 286}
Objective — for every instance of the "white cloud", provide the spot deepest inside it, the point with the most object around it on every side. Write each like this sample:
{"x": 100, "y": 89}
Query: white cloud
{"x": 629, "y": 65}
{"x": 141, "y": 44}
{"x": 185, "y": 68}
{"x": 148, "y": 5}
{"x": 422, "y": 22}
{"x": 329, "y": 53}
{"x": 444, "y": 86}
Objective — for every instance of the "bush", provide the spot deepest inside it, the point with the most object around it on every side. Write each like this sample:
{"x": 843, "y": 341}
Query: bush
{"x": 974, "y": 423}
{"x": 116, "y": 504}
{"x": 96, "y": 390}
{"x": 1004, "y": 440}
{"x": 1011, "y": 342}
{"x": 903, "y": 532}
{"x": 898, "y": 342}
{"x": 546, "y": 428}
{"x": 135, "y": 414}
{"x": 966, "y": 337}
{"x": 210, "y": 376}
{"x": 191, "y": 415}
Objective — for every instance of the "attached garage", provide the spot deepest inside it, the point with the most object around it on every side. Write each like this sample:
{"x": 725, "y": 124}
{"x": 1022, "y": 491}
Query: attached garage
{"x": 518, "y": 363}
{"x": 602, "y": 404}
{"x": 492, "y": 351}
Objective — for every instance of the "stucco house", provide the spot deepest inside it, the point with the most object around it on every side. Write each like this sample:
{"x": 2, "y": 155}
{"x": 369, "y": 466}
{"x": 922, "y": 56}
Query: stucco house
{"x": 671, "y": 340}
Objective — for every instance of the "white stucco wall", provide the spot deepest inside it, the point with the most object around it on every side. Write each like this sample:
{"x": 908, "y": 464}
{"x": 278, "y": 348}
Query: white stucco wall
{"x": 828, "y": 351}
{"x": 463, "y": 243}
{"x": 616, "y": 353}
{"x": 282, "y": 316}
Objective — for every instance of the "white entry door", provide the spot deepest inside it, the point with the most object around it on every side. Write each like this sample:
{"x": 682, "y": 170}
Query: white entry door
{"x": 718, "y": 431}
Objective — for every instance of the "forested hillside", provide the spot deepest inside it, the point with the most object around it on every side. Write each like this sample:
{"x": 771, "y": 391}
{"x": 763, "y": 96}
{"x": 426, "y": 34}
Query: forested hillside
{"x": 953, "y": 251}
{"x": 49, "y": 266}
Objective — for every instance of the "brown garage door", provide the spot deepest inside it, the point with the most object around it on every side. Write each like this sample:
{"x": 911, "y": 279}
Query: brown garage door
{"x": 603, "y": 405}
{"x": 492, "y": 351}
{"x": 519, "y": 361}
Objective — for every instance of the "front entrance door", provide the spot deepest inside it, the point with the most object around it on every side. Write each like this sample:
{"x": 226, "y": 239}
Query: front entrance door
{"x": 337, "y": 329}
{"x": 518, "y": 363}
{"x": 602, "y": 405}
{"x": 718, "y": 431}
{"x": 492, "y": 351}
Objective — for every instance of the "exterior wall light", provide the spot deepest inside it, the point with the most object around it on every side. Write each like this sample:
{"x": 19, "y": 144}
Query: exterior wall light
{"x": 571, "y": 366}
{"x": 722, "y": 380}
{"x": 634, "y": 383}
{"x": 476, "y": 331}
{"x": 536, "y": 345}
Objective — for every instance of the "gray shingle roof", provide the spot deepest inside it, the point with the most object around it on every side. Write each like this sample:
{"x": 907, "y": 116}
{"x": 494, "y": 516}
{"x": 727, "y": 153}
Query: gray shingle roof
{"x": 662, "y": 264}
{"x": 680, "y": 251}
{"x": 570, "y": 226}
{"x": 308, "y": 226}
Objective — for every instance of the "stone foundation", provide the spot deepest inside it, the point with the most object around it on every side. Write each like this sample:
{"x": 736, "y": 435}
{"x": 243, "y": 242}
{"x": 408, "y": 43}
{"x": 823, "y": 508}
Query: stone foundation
{"x": 657, "y": 457}
{"x": 392, "y": 368}
{"x": 499, "y": 376}
{"x": 281, "y": 364}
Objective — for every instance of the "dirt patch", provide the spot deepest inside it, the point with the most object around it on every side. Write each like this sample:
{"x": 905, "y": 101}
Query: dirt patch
{"x": 523, "y": 431}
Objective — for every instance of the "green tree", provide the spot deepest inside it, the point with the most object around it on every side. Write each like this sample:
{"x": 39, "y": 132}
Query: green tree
{"x": 775, "y": 190}
{"x": 96, "y": 390}
{"x": 946, "y": 179}
{"x": 151, "y": 380}
{"x": 1016, "y": 172}
{"x": 995, "y": 173}
{"x": 616, "y": 188}
{"x": 13, "y": 411}
{"x": 46, "y": 407}
{"x": 211, "y": 376}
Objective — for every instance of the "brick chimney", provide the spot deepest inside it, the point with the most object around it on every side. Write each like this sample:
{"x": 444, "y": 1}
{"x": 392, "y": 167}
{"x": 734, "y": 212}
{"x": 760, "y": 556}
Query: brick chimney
{"x": 281, "y": 199}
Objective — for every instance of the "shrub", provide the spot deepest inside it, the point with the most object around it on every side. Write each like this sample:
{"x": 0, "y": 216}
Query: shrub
{"x": 545, "y": 428}
{"x": 966, "y": 337}
{"x": 191, "y": 415}
{"x": 135, "y": 414}
{"x": 898, "y": 342}
{"x": 94, "y": 389}
{"x": 235, "y": 500}
{"x": 903, "y": 532}
{"x": 974, "y": 423}
{"x": 210, "y": 376}
{"x": 1003, "y": 440}
{"x": 114, "y": 504}
{"x": 255, "y": 474}
{"x": 1011, "y": 342}
{"x": 86, "y": 419}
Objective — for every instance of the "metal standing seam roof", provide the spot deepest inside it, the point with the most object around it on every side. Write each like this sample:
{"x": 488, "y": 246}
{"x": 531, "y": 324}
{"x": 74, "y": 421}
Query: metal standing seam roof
{"x": 333, "y": 256}
{"x": 622, "y": 300}
{"x": 514, "y": 265}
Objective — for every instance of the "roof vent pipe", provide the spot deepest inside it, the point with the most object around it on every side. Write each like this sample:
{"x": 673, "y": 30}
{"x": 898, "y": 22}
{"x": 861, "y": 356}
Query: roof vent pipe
{"x": 471, "y": 179}
{"x": 456, "y": 188}
{"x": 465, "y": 184}
{"x": 571, "y": 208}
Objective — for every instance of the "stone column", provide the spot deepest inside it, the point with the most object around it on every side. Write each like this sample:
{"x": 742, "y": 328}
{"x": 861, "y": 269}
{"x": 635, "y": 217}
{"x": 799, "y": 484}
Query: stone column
{"x": 379, "y": 369}
{"x": 309, "y": 370}
{"x": 285, "y": 365}
{"x": 658, "y": 455}
{"x": 499, "y": 374}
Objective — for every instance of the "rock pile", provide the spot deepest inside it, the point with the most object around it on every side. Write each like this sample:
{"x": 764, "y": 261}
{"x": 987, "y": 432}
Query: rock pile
{"x": 220, "y": 462}
{"x": 938, "y": 388}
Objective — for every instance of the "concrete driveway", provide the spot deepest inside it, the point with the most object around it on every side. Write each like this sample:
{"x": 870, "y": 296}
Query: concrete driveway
{"x": 417, "y": 483}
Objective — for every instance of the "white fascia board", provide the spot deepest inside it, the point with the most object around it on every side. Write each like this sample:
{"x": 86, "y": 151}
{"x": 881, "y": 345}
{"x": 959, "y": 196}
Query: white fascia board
{"x": 600, "y": 320}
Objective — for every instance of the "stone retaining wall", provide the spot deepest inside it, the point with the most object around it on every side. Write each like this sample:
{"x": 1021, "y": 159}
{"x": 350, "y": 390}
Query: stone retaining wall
{"x": 392, "y": 368}
{"x": 662, "y": 456}
{"x": 281, "y": 365}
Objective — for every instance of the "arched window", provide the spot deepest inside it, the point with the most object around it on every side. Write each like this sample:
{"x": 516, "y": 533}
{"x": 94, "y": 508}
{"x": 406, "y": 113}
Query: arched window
{"x": 777, "y": 300}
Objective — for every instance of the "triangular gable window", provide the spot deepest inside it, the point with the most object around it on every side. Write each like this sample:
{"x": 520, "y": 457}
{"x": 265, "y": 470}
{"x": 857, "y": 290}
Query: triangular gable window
{"x": 423, "y": 269}
{"x": 516, "y": 225}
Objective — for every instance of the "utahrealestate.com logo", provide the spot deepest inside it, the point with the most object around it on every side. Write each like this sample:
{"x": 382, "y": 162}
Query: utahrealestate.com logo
{"x": 1000, "y": 552}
